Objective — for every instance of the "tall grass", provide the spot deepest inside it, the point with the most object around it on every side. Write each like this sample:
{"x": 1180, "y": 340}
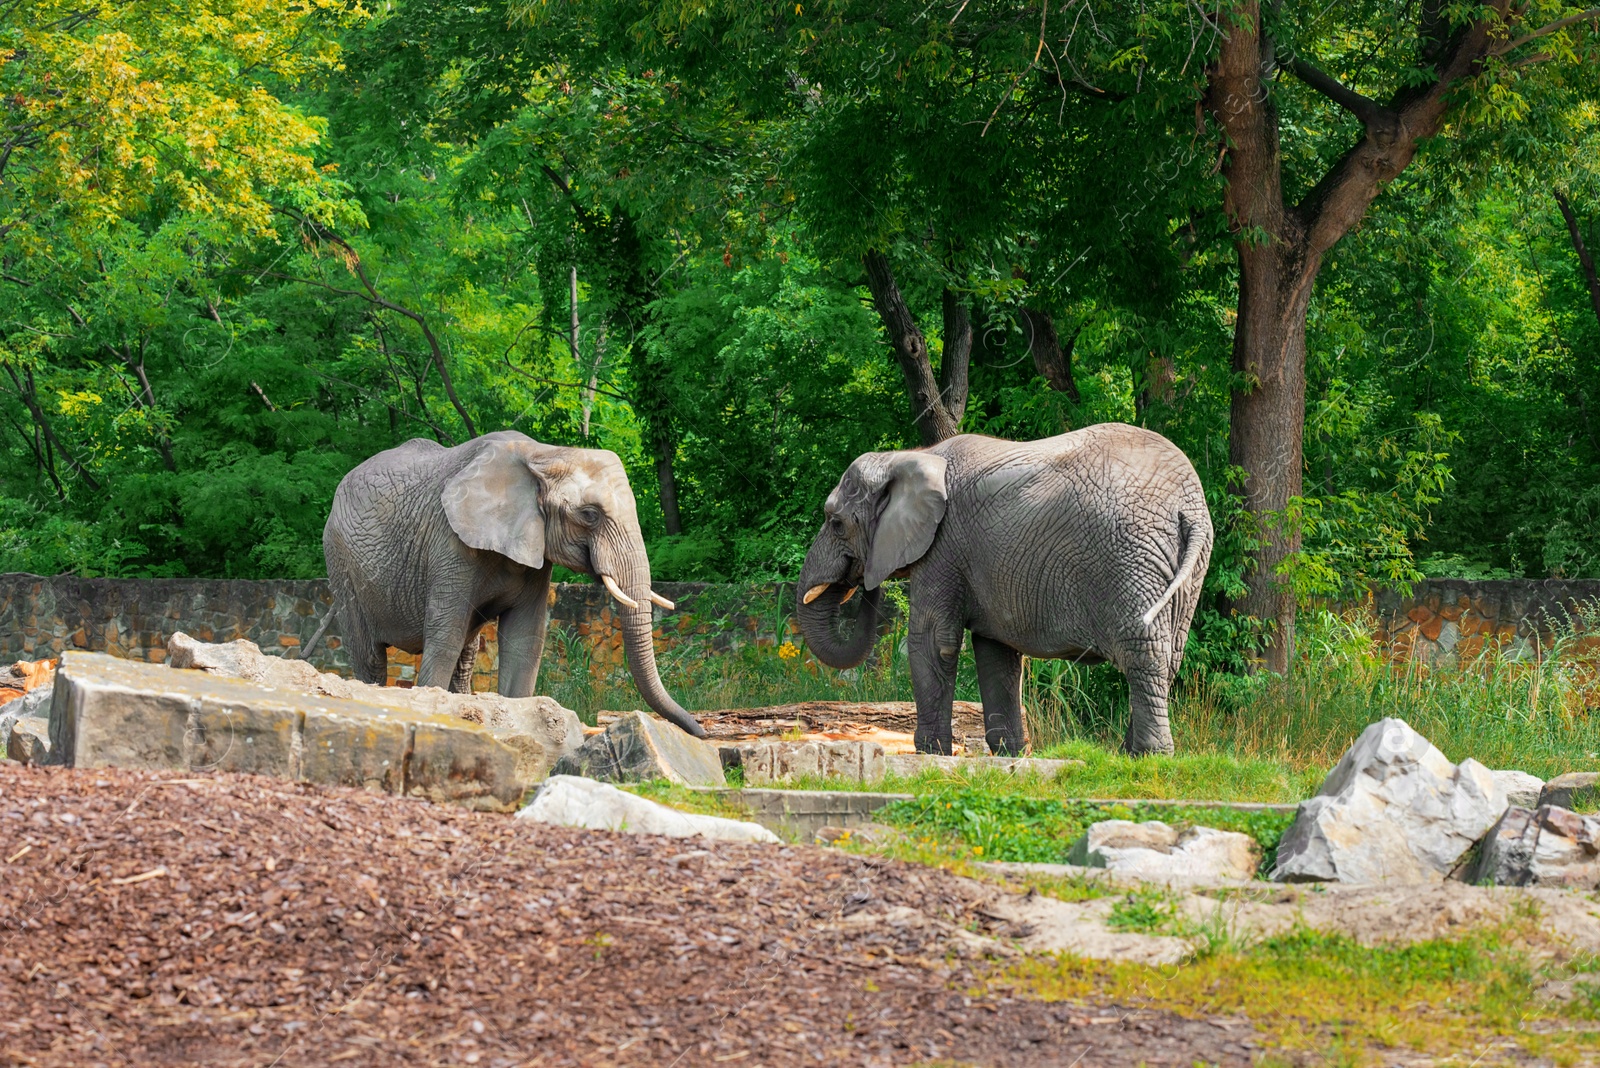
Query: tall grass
{"x": 1529, "y": 707}
{"x": 1526, "y": 707}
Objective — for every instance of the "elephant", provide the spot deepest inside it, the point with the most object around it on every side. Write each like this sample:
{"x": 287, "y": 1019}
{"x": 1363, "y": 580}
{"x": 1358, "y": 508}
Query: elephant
{"x": 1090, "y": 546}
{"x": 426, "y": 544}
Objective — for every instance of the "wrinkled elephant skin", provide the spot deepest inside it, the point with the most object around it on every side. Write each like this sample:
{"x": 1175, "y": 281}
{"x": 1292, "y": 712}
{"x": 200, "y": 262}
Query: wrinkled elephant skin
{"x": 426, "y": 545}
{"x": 1091, "y": 546}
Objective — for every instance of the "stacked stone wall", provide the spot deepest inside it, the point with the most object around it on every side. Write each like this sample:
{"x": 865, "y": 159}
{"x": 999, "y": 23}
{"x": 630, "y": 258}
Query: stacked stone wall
{"x": 1459, "y": 619}
{"x": 134, "y": 618}
{"x": 1441, "y": 619}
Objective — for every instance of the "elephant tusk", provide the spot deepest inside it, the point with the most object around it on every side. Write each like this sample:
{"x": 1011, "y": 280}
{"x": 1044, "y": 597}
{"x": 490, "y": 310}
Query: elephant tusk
{"x": 616, "y": 591}
{"x": 657, "y": 599}
{"x": 814, "y": 592}
{"x": 851, "y": 592}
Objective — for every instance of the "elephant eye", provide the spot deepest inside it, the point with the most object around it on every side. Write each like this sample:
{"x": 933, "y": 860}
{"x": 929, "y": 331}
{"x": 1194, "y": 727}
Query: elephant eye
{"x": 590, "y": 515}
{"x": 836, "y": 525}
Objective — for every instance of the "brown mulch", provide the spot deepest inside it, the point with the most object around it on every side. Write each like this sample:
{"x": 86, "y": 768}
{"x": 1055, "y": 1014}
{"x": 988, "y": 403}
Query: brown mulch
{"x": 233, "y": 920}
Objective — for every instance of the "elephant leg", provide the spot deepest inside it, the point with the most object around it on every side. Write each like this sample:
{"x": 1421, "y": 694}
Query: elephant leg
{"x": 461, "y": 679}
{"x": 935, "y": 650}
{"x": 1000, "y": 684}
{"x": 369, "y": 659}
{"x": 1149, "y": 681}
{"x": 522, "y": 631}
{"x": 444, "y": 640}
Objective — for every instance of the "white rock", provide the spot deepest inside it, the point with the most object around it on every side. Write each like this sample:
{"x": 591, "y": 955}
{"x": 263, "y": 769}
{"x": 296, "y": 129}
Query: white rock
{"x": 571, "y": 801}
{"x": 1393, "y": 810}
{"x": 1154, "y": 850}
{"x": 1520, "y": 788}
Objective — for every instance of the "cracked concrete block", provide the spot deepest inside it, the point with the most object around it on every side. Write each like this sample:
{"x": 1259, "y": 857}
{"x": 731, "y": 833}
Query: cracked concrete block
{"x": 765, "y": 763}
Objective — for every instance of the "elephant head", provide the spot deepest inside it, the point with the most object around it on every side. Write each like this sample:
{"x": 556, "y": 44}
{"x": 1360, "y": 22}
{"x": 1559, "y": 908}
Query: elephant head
{"x": 881, "y": 518}
{"x": 534, "y": 503}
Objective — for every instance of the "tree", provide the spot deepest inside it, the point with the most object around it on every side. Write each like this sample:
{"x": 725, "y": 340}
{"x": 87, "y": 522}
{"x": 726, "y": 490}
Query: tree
{"x": 1435, "y": 67}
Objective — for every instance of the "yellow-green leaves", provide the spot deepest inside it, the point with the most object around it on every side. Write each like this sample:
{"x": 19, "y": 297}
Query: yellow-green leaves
{"x": 111, "y": 108}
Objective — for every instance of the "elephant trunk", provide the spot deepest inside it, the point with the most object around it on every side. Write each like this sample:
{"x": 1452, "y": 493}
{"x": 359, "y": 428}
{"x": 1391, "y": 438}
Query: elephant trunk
{"x": 624, "y": 561}
{"x": 820, "y": 619}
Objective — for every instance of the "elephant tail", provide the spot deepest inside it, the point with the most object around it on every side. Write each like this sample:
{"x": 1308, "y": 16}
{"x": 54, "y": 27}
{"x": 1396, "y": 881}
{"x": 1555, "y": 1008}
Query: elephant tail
{"x": 1194, "y": 546}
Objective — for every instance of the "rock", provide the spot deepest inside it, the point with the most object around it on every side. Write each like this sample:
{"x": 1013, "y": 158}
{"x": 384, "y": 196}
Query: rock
{"x": 28, "y": 741}
{"x": 1519, "y": 787}
{"x": 765, "y": 763}
{"x": 1548, "y": 847}
{"x": 1574, "y": 790}
{"x": 1154, "y": 850}
{"x": 1393, "y": 810}
{"x": 570, "y": 801}
{"x": 34, "y": 703}
{"x": 125, "y": 713}
{"x": 539, "y": 729}
{"x": 638, "y": 748}
{"x": 908, "y": 765}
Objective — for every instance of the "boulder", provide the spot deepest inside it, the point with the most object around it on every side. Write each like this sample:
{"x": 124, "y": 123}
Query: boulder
{"x": 1393, "y": 810}
{"x": 1154, "y": 850}
{"x": 639, "y": 748}
{"x": 33, "y": 704}
{"x": 539, "y": 729}
{"x": 28, "y": 741}
{"x": 1545, "y": 847}
{"x": 126, "y": 713}
{"x": 1519, "y": 787}
{"x": 570, "y": 801}
{"x": 765, "y": 763}
{"x": 1574, "y": 790}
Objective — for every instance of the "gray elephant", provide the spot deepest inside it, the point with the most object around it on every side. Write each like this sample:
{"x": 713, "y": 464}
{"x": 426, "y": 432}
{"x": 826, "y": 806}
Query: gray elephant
{"x": 425, "y": 545}
{"x": 1090, "y": 546}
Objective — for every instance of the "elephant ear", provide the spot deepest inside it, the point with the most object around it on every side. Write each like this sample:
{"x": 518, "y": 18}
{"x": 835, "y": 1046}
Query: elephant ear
{"x": 493, "y": 504}
{"x": 910, "y": 509}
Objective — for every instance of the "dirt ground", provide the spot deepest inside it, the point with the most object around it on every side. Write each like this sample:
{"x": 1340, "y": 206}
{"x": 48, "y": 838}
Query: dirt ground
{"x": 234, "y": 920}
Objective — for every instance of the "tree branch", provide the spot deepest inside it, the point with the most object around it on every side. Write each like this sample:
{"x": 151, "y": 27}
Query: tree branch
{"x": 1364, "y": 108}
{"x": 1546, "y": 30}
{"x": 1585, "y": 257}
{"x": 910, "y": 349}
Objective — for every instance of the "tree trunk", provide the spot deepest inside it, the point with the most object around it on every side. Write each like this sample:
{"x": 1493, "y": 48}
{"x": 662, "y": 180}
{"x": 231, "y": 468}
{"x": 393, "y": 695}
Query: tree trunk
{"x": 1585, "y": 257}
{"x": 1267, "y": 425}
{"x": 957, "y": 359}
{"x": 933, "y": 420}
{"x": 1051, "y": 359}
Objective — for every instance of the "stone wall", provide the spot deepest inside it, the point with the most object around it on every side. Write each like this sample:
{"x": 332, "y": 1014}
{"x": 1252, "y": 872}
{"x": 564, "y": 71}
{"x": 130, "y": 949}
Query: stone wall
{"x": 133, "y": 618}
{"x": 1446, "y": 619}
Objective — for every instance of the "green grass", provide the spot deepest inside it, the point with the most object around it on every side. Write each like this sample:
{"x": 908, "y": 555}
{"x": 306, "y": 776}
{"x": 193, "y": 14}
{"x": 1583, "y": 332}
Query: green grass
{"x": 1328, "y": 998}
{"x": 1010, "y": 826}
